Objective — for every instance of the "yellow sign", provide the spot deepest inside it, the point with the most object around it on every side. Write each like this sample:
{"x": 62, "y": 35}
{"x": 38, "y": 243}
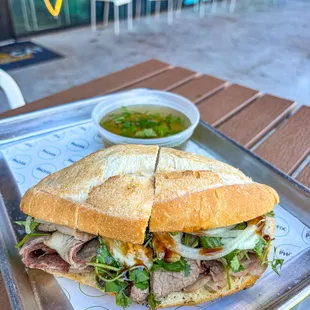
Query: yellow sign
{"x": 53, "y": 10}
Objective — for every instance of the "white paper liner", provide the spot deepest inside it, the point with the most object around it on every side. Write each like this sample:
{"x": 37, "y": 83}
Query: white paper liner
{"x": 34, "y": 160}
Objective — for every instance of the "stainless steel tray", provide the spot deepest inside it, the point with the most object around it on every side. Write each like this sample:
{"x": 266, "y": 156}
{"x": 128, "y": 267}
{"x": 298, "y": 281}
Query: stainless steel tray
{"x": 38, "y": 290}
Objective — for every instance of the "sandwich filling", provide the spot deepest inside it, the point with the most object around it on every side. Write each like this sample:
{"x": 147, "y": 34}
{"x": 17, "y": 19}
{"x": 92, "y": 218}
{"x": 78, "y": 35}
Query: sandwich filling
{"x": 166, "y": 263}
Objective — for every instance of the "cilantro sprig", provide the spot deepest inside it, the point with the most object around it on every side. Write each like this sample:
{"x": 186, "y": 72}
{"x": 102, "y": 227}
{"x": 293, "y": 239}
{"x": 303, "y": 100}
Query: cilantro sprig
{"x": 140, "y": 278}
{"x": 180, "y": 265}
{"x": 111, "y": 276}
{"x": 119, "y": 288}
{"x": 276, "y": 263}
{"x": 210, "y": 242}
{"x": 33, "y": 226}
{"x": 152, "y": 302}
{"x": 270, "y": 213}
{"x": 240, "y": 226}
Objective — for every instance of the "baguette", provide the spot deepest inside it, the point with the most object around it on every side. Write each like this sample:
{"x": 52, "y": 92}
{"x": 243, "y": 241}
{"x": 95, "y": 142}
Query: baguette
{"x": 116, "y": 192}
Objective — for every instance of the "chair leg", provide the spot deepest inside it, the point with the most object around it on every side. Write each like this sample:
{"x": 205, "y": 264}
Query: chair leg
{"x": 232, "y": 6}
{"x": 197, "y": 6}
{"x": 138, "y": 9}
{"x": 106, "y": 14}
{"x": 170, "y": 12}
{"x": 67, "y": 12}
{"x": 213, "y": 6}
{"x": 129, "y": 17}
{"x": 93, "y": 15}
{"x": 202, "y": 9}
{"x": 116, "y": 20}
{"x": 223, "y": 4}
{"x": 34, "y": 15}
{"x": 25, "y": 15}
{"x": 157, "y": 8}
{"x": 179, "y": 7}
{"x": 148, "y": 8}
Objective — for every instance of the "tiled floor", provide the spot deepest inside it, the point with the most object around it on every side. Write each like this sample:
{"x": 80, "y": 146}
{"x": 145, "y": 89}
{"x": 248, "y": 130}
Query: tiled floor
{"x": 261, "y": 45}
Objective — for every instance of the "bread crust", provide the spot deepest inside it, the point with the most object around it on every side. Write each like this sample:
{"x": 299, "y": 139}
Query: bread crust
{"x": 203, "y": 295}
{"x": 175, "y": 299}
{"x": 215, "y": 207}
{"x": 115, "y": 192}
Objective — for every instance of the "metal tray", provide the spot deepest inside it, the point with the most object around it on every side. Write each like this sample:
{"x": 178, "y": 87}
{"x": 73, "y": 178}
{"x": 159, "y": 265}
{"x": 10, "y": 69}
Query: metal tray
{"x": 38, "y": 290}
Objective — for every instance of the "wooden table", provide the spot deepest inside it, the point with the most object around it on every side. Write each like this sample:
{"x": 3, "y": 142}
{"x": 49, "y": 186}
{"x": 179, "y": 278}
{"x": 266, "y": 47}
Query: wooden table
{"x": 265, "y": 124}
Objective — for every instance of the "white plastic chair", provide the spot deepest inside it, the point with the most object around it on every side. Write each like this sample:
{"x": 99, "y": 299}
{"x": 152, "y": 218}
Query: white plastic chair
{"x": 11, "y": 90}
{"x": 117, "y": 4}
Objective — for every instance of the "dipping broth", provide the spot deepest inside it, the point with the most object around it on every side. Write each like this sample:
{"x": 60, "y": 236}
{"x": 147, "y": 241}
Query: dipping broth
{"x": 145, "y": 122}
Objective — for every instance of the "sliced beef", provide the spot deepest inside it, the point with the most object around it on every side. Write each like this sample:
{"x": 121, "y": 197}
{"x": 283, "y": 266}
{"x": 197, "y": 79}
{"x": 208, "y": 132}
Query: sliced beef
{"x": 203, "y": 280}
{"x": 216, "y": 271}
{"x": 88, "y": 251}
{"x": 164, "y": 283}
{"x": 35, "y": 254}
{"x": 252, "y": 266}
{"x": 138, "y": 296}
{"x": 68, "y": 248}
{"x": 59, "y": 252}
{"x": 213, "y": 273}
{"x": 50, "y": 227}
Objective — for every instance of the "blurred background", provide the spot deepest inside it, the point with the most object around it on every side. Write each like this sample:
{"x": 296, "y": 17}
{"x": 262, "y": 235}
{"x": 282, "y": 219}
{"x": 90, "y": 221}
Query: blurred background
{"x": 263, "y": 44}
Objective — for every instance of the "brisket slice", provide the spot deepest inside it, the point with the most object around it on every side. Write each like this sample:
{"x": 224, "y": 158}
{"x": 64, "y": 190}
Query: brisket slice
{"x": 213, "y": 275}
{"x": 35, "y": 254}
{"x": 166, "y": 282}
{"x": 138, "y": 296}
{"x": 59, "y": 253}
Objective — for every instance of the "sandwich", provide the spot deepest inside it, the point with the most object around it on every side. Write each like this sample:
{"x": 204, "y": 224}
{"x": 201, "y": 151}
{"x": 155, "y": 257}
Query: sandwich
{"x": 151, "y": 225}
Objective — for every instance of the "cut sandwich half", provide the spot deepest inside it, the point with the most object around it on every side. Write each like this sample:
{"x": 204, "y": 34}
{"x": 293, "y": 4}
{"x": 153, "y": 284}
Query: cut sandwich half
{"x": 150, "y": 225}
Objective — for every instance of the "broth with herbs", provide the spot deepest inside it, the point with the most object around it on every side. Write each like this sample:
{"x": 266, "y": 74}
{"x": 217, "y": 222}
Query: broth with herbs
{"x": 145, "y": 122}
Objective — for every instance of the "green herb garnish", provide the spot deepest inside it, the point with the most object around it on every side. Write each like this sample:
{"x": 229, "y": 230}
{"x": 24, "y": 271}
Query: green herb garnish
{"x": 270, "y": 213}
{"x": 148, "y": 239}
{"x": 104, "y": 256}
{"x": 33, "y": 225}
{"x": 152, "y": 302}
{"x": 275, "y": 262}
{"x": 186, "y": 239}
{"x": 240, "y": 226}
{"x": 180, "y": 265}
{"x": 143, "y": 125}
{"x": 140, "y": 278}
{"x": 119, "y": 287}
{"x": 233, "y": 262}
{"x": 21, "y": 243}
{"x": 210, "y": 242}
{"x": 259, "y": 247}
{"x": 173, "y": 233}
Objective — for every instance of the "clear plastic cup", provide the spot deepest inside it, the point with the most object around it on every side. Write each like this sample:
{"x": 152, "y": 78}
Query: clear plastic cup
{"x": 146, "y": 97}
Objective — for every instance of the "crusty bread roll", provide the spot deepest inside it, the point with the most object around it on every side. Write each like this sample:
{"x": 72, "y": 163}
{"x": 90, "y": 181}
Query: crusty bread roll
{"x": 108, "y": 193}
{"x": 117, "y": 191}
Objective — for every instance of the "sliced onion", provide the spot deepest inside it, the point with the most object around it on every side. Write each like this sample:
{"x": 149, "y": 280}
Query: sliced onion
{"x": 195, "y": 253}
{"x": 228, "y": 234}
{"x": 250, "y": 243}
{"x": 214, "y": 232}
{"x": 27, "y": 224}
